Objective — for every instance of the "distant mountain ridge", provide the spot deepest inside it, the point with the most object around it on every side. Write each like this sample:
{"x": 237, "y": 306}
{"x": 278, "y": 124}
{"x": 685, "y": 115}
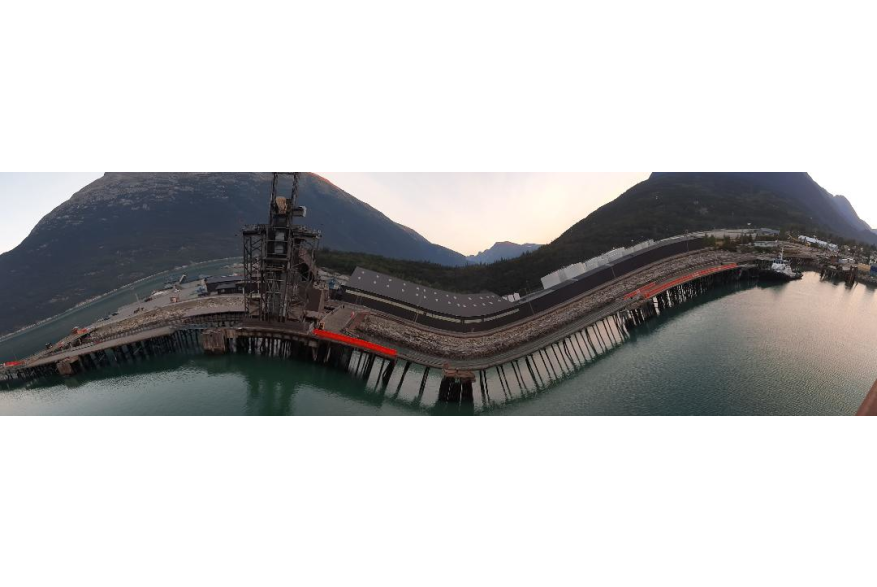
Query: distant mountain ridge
{"x": 834, "y": 213}
{"x": 846, "y": 210}
{"x": 124, "y": 226}
{"x": 501, "y": 250}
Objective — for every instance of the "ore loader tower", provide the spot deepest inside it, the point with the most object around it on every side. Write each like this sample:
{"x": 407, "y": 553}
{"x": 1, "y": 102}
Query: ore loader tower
{"x": 281, "y": 275}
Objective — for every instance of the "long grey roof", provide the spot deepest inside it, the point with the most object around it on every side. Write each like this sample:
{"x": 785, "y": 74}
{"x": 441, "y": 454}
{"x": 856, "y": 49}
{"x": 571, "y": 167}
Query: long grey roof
{"x": 471, "y": 305}
{"x": 427, "y": 298}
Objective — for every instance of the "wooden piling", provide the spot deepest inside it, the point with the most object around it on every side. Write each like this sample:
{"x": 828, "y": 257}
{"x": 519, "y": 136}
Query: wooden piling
{"x": 423, "y": 380}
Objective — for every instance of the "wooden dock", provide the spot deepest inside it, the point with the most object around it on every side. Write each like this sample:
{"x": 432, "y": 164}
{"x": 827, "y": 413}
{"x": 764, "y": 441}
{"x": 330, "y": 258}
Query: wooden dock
{"x": 847, "y": 275}
{"x": 532, "y": 367}
{"x": 182, "y": 335}
{"x": 503, "y": 377}
{"x": 122, "y": 350}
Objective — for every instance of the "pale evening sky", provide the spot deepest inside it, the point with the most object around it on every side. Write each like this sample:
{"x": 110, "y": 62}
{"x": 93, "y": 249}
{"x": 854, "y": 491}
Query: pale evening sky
{"x": 466, "y": 212}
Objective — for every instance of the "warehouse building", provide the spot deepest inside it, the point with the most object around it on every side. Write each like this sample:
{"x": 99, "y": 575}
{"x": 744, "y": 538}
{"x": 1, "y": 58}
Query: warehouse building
{"x": 225, "y": 284}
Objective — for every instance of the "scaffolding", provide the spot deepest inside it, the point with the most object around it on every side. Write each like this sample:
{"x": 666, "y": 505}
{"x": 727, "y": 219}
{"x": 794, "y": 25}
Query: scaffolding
{"x": 254, "y": 242}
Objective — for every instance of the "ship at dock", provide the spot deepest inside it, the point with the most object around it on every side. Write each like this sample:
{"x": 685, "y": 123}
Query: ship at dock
{"x": 779, "y": 270}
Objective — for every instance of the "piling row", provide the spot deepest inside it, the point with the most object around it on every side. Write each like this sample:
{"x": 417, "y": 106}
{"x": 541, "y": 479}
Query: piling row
{"x": 832, "y": 272}
{"x": 185, "y": 340}
{"x": 528, "y": 375}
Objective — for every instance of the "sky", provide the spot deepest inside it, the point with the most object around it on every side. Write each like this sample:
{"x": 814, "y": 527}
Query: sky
{"x": 466, "y": 212}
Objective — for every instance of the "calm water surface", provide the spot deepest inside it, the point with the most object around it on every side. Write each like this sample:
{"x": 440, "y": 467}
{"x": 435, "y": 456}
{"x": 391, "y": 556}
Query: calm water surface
{"x": 799, "y": 348}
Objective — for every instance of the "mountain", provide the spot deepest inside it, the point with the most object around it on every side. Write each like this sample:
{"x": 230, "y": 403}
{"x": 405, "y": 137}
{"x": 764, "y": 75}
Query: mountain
{"x": 801, "y": 193}
{"x": 125, "y": 226}
{"x": 849, "y": 213}
{"x": 501, "y": 250}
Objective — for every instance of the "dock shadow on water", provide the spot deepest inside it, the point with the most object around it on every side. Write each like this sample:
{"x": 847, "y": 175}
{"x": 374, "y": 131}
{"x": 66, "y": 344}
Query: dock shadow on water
{"x": 532, "y": 399}
{"x": 797, "y": 348}
{"x": 800, "y": 348}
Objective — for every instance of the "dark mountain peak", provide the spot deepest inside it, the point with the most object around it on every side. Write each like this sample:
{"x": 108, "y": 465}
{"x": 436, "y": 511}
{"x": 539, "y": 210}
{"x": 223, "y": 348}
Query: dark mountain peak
{"x": 808, "y": 203}
{"x": 845, "y": 208}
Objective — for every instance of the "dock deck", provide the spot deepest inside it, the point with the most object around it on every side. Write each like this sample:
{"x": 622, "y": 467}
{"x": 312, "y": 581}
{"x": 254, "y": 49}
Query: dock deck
{"x": 103, "y": 346}
{"x": 533, "y": 364}
{"x": 467, "y": 345}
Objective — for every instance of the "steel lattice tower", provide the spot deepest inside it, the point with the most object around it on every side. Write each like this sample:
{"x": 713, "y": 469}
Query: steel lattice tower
{"x": 279, "y": 258}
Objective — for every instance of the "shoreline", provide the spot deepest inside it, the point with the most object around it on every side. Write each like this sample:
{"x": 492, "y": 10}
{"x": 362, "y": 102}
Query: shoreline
{"x": 85, "y": 303}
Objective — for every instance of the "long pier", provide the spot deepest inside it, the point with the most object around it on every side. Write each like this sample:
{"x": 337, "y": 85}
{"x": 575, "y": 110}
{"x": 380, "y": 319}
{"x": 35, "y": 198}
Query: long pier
{"x": 227, "y": 333}
{"x": 537, "y": 364}
{"x": 384, "y": 367}
{"x": 122, "y": 350}
{"x": 180, "y": 335}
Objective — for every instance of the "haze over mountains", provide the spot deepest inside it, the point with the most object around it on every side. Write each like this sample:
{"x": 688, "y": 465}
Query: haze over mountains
{"x": 125, "y": 226}
{"x": 501, "y": 250}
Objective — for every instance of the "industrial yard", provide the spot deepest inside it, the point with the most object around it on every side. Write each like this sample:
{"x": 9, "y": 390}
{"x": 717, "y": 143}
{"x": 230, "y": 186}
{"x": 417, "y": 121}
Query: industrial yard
{"x": 443, "y": 345}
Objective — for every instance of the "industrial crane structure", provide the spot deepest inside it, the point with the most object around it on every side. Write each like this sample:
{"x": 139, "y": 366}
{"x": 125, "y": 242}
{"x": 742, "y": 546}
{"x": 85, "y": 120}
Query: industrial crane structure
{"x": 281, "y": 276}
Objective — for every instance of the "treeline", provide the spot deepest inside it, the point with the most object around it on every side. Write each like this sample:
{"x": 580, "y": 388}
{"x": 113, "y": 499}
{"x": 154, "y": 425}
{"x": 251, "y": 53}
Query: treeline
{"x": 501, "y": 277}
